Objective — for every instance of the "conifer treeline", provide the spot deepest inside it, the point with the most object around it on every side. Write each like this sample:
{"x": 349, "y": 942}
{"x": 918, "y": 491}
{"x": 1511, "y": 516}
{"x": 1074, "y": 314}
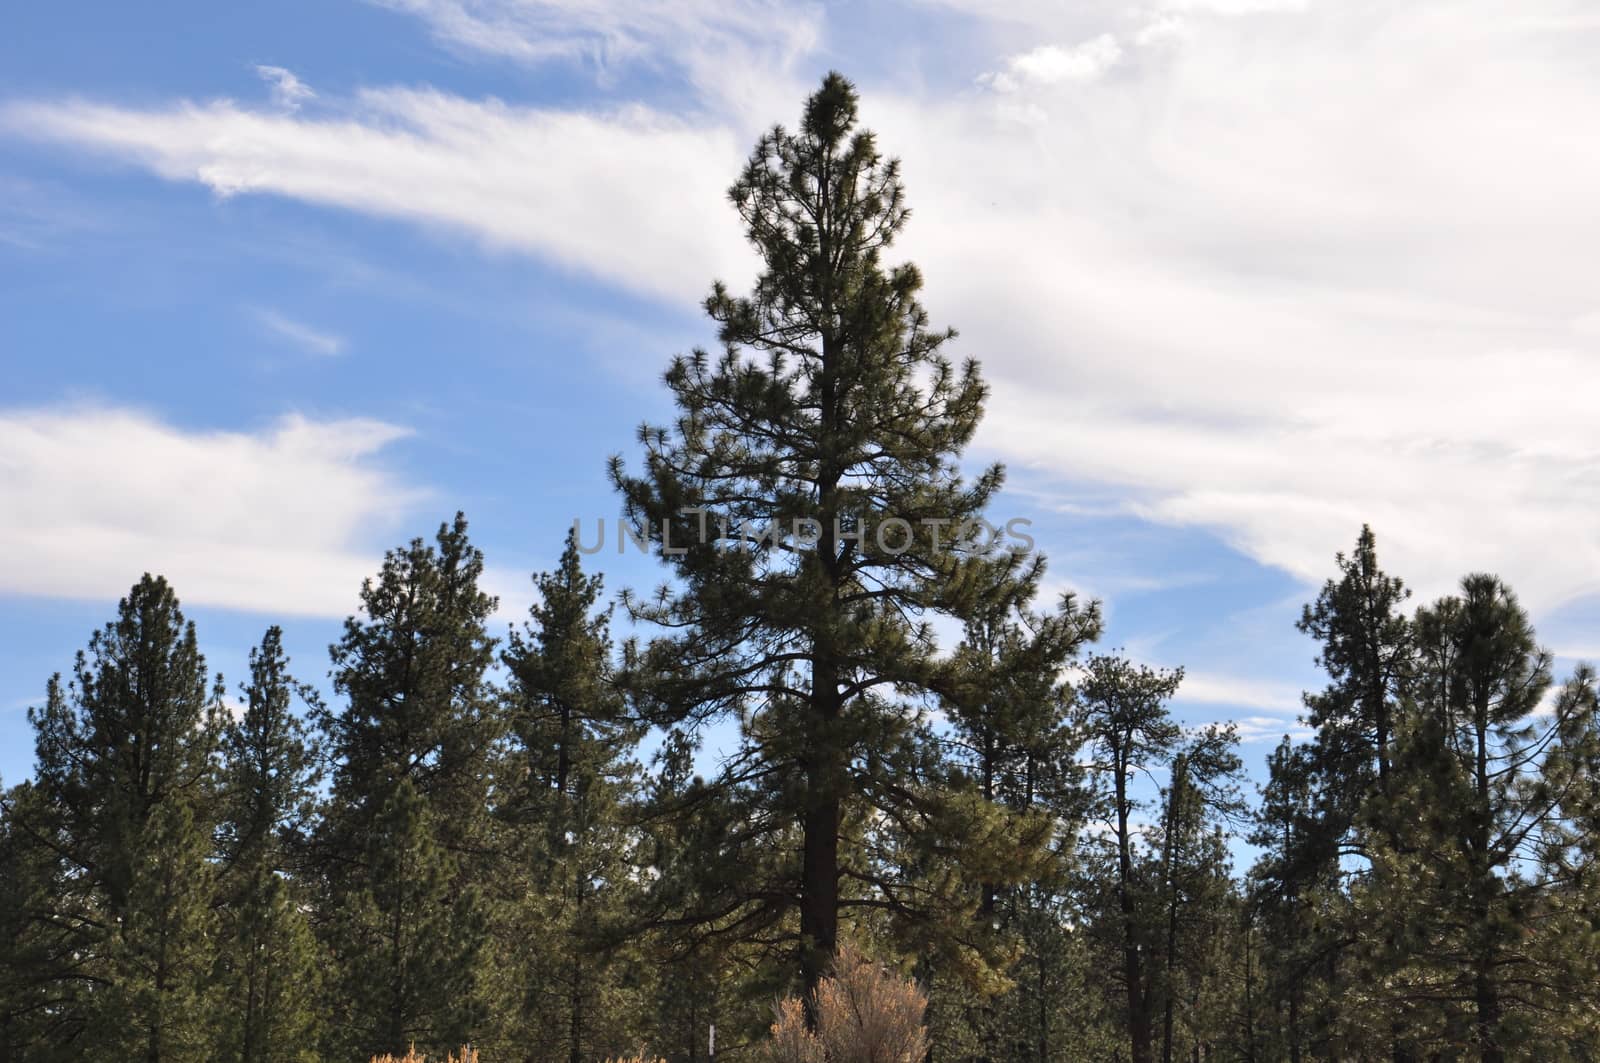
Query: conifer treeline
{"x": 504, "y": 842}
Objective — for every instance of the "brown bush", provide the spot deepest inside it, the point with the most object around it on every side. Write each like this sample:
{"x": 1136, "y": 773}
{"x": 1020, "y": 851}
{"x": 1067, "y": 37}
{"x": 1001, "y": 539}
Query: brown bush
{"x": 865, "y": 1014}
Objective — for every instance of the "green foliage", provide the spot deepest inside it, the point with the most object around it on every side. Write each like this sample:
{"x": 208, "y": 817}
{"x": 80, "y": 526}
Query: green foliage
{"x": 112, "y": 841}
{"x": 268, "y": 966}
{"x": 1425, "y": 887}
{"x": 1159, "y": 902}
{"x": 1470, "y": 758}
{"x": 566, "y": 773}
{"x": 159, "y": 990}
{"x": 403, "y": 844}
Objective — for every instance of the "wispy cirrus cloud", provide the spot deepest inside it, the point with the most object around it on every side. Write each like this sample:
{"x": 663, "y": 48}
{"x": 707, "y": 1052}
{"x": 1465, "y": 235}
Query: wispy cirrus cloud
{"x": 1242, "y": 692}
{"x": 306, "y": 337}
{"x": 630, "y": 195}
{"x": 660, "y": 31}
{"x": 1269, "y": 729}
{"x": 739, "y": 57}
{"x": 288, "y": 91}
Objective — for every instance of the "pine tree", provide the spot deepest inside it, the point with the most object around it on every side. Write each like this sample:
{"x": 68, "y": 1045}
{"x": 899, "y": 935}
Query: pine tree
{"x": 1298, "y": 907}
{"x": 1161, "y": 902}
{"x": 807, "y": 499}
{"x": 1011, "y": 727}
{"x": 1567, "y": 848}
{"x": 1467, "y": 898}
{"x": 53, "y": 959}
{"x": 271, "y": 765}
{"x": 711, "y": 972}
{"x": 1366, "y": 647}
{"x": 22, "y": 957}
{"x": 1128, "y": 730}
{"x": 410, "y": 935}
{"x": 116, "y": 825}
{"x": 1195, "y": 888}
{"x": 569, "y": 774}
{"x": 1421, "y": 886}
{"x": 404, "y": 844}
{"x": 1011, "y": 736}
{"x": 159, "y": 981}
{"x": 268, "y": 966}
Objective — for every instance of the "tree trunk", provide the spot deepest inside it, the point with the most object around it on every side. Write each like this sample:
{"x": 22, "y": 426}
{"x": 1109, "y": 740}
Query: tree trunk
{"x": 819, "y": 890}
{"x": 819, "y": 884}
{"x": 1169, "y": 862}
{"x": 1486, "y": 989}
{"x": 1487, "y": 995}
{"x": 575, "y": 1002}
{"x": 1044, "y": 1015}
{"x": 1141, "y": 1035}
{"x": 824, "y": 762}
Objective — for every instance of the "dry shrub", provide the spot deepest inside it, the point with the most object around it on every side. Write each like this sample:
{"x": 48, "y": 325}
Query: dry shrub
{"x": 865, "y": 1014}
{"x": 467, "y": 1055}
{"x": 639, "y": 1058}
{"x": 791, "y": 1041}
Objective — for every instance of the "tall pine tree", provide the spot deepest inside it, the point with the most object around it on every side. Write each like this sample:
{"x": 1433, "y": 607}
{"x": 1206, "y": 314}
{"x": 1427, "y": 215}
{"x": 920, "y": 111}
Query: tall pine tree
{"x": 808, "y": 500}
{"x": 1346, "y": 779}
{"x": 405, "y": 841}
{"x": 116, "y": 835}
{"x": 566, "y": 777}
{"x": 1159, "y": 899}
{"x": 1011, "y": 736}
{"x": 1470, "y": 757}
{"x": 269, "y": 968}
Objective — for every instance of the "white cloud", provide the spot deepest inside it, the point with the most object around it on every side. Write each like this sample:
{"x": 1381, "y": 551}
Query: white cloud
{"x": 278, "y": 521}
{"x": 288, "y": 91}
{"x": 1234, "y": 7}
{"x": 1050, "y": 64}
{"x": 630, "y": 195}
{"x": 313, "y": 340}
{"x": 1269, "y": 729}
{"x": 1238, "y": 691}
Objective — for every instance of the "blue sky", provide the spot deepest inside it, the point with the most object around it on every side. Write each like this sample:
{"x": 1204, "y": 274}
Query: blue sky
{"x": 283, "y": 285}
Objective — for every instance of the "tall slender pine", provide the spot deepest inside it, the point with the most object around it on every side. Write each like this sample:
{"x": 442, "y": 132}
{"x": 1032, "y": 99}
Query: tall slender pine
{"x": 808, "y": 500}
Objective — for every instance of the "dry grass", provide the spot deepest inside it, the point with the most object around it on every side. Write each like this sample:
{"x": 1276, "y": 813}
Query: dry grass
{"x": 865, "y": 1014}
{"x": 466, "y": 1055}
{"x": 470, "y": 1055}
